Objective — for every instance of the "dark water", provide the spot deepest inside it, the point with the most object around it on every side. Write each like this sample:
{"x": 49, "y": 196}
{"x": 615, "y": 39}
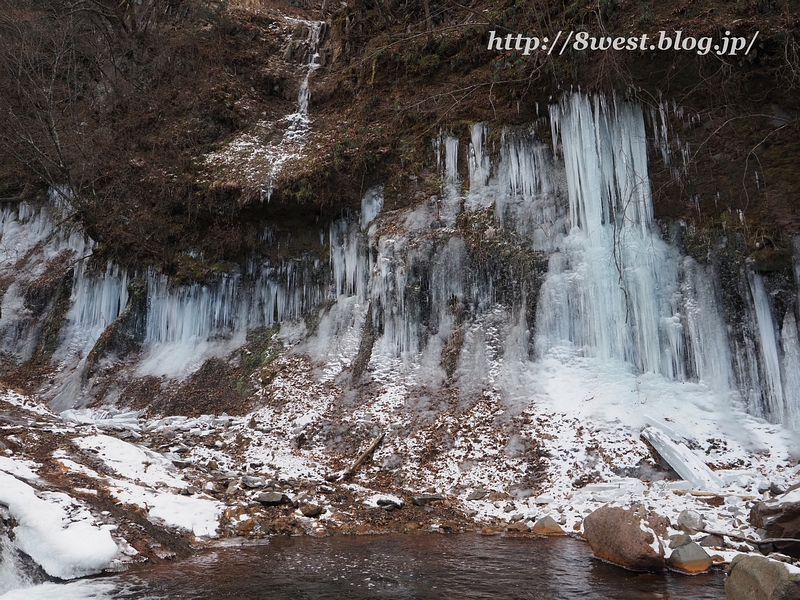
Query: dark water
{"x": 429, "y": 566}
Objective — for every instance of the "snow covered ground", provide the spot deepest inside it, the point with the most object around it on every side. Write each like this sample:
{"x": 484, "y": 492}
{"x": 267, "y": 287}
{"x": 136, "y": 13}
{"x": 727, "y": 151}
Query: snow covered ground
{"x": 572, "y": 443}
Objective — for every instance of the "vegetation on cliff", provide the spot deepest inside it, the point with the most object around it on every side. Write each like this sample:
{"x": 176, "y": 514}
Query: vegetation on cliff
{"x": 119, "y": 104}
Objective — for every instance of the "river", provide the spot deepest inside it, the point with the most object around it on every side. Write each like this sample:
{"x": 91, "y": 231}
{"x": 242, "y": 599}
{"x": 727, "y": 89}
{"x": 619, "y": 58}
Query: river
{"x": 425, "y": 566}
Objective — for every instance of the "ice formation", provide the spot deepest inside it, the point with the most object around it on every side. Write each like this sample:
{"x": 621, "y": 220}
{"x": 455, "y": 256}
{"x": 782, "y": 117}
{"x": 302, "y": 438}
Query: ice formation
{"x": 614, "y": 288}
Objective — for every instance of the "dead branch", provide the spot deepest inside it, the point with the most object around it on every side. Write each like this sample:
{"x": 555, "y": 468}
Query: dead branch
{"x": 347, "y": 473}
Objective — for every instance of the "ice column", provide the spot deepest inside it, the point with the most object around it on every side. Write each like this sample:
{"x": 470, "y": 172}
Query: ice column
{"x": 609, "y": 289}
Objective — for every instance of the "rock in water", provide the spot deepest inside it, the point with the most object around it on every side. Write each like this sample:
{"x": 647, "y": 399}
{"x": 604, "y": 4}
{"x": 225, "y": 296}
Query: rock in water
{"x": 547, "y": 526}
{"x": 780, "y": 519}
{"x": 626, "y": 537}
{"x": 689, "y": 558}
{"x": 759, "y": 578}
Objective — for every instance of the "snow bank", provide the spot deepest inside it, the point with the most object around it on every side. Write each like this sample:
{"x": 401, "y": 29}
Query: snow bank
{"x": 137, "y": 463}
{"x": 77, "y": 590}
{"x": 132, "y": 461}
{"x": 77, "y": 550}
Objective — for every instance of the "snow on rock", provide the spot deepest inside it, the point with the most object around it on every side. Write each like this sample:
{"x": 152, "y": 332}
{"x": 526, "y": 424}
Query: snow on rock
{"x": 148, "y": 468}
{"x": 25, "y": 402}
{"x": 64, "y": 550}
{"x": 685, "y": 462}
{"x": 193, "y": 514}
{"x": 383, "y": 500}
{"x": 18, "y": 468}
{"x": 132, "y": 461}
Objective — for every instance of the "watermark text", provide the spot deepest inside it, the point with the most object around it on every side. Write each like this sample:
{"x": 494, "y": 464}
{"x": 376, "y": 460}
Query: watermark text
{"x": 727, "y": 45}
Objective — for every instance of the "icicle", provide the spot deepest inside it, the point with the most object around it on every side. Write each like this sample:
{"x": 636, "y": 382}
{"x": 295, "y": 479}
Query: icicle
{"x": 707, "y": 340}
{"x": 478, "y": 157}
{"x": 769, "y": 351}
{"x": 790, "y": 343}
{"x": 348, "y": 259}
{"x": 612, "y": 300}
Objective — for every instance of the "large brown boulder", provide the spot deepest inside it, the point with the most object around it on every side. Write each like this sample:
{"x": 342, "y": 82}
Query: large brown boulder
{"x": 780, "y": 519}
{"x": 629, "y": 538}
{"x": 759, "y": 578}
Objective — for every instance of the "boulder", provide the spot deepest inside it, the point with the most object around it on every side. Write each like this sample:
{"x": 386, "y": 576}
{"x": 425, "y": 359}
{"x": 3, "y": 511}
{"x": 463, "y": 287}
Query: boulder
{"x": 389, "y": 503}
{"x": 780, "y": 519}
{"x": 253, "y": 482}
{"x": 759, "y": 578}
{"x": 712, "y": 541}
{"x": 547, "y": 526}
{"x": 626, "y": 537}
{"x": 272, "y": 498}
{"x": 677, "y": 541}
{"x": 477, "y": 495}
{"x": 691, "y": 521}
{"x": 423, "y": 499}
{"x": 689, "y": 558}
{"x": 311, "y": 510}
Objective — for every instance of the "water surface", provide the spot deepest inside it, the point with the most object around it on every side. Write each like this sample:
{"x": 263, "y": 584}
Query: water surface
{"x": 424, "y": 566}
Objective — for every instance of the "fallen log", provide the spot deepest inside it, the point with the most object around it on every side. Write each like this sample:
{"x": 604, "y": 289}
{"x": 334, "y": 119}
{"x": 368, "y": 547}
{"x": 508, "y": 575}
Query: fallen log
{"x": 752, "y": 542}
{"x": 702, "y": 494}
{"x": 348, "y": 472}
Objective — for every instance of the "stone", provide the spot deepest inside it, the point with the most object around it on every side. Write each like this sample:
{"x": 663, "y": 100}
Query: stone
{"x": 389, "y": 503}
{"x": 625, "y": 537}
{"x": 311, "y": 510}
{"x": 691, "y": 521}
{"x": 272, "y": 498}
{"x": 547, "y": 526}
{"x": 776, "y": 489}
{"x": 689, "y": 558}
{"x": 679, "y": 540}
{"x": 759, "y": 578}
{"x": 477, "y": 495}
{"x": 711, "y": 541}
{"x": 253, "y": 482}
{"x": 779, "y": 520}
{"x": 519, "y": 526}
{"x": 423, "y": 499}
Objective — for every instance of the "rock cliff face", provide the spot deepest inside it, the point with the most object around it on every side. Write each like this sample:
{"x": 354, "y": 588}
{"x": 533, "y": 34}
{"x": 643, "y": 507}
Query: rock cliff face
{"x": 169, "y": 130}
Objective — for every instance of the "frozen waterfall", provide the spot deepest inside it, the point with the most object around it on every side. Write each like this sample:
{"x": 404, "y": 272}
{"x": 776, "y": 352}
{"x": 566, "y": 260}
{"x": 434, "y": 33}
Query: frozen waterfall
{"x": 560, "y": 263}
